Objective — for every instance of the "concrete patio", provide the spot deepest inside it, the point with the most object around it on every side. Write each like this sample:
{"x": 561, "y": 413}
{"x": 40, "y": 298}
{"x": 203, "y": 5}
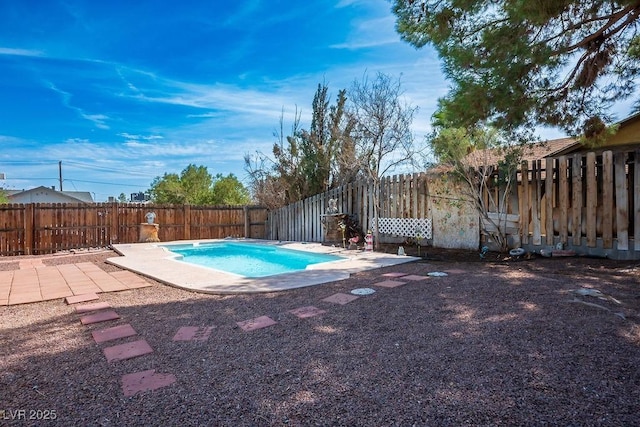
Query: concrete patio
{"x": 35, "y": 282}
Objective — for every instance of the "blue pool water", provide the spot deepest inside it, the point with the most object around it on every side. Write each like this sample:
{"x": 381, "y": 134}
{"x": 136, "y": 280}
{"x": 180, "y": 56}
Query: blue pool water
{"x": 249, "y": 260}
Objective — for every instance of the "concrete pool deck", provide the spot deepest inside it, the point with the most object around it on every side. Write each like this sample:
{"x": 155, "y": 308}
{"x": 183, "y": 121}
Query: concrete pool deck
{"x": 154, "y": 261}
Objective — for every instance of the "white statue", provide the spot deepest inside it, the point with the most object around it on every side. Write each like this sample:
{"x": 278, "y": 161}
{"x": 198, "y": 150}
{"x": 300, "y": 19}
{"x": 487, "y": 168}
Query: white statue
{"x": 151, "y": 217}
{"x": 332, "y": 207}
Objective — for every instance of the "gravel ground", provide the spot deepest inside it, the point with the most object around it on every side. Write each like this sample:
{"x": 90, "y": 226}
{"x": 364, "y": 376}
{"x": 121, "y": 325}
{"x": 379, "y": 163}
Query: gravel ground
{"x": 497, "y": 342}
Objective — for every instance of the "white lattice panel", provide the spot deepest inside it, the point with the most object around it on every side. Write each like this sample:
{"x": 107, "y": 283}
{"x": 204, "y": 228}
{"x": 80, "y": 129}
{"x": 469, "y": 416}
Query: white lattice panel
{"x": 407, "y": 227}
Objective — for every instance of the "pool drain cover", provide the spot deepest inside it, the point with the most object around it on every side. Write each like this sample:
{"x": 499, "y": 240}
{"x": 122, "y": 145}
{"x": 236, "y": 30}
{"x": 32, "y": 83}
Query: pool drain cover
{"x": 363, "y": 291}
{"x": 437, "y": 274}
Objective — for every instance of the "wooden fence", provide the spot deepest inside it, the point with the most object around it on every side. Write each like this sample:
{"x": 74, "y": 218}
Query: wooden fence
{"x": 40, "y": 228}
{"x": 588, "y": 202}
{"x": 401, "y": 196}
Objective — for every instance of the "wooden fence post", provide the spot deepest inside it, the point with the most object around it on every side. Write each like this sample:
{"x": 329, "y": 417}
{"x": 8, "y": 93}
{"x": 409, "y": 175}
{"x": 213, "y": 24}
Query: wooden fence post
{"x": 563, "y": 199}
{"x": 526, "y": 201}
{"x": 114, "y": 223}
{"x": 187, "y": 222}
{"x": 576, "y": 200}
{"x": 622, "y": 201}
{"x": 636, "y": 200}
{"x": 28, "y": 229}
{"x": 592, "y": 199}
{"x": 548, "y": 193}
{"x": 247, "y": 222}
{"x": 607, "y": 199}
{"x": 535, "y": 202}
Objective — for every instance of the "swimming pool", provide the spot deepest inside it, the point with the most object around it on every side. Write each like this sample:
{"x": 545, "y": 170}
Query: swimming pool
{"x": 249, "y": 260}
{"x": 155, "y": 261}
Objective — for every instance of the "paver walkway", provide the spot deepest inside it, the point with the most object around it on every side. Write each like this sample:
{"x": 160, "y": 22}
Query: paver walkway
{"x": 36, "y": 282}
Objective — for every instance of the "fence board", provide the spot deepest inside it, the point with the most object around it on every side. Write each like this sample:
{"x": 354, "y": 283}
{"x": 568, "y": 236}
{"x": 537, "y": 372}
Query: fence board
{"x": 622, "y": 201}
{"x": 549, "y": 199}
{"x": 535, "y": 203}
{"x": 636, "y": 199}
{"x": 592, "y": 200}
{"x": 563, "y": 199}
{"x": 415, "y": 186}
{"x": 526, "y": 198}
{"x": 576, "y": 199}
{"x": 607, "y": 199}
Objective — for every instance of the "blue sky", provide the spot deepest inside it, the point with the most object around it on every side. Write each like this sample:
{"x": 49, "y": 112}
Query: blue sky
{"x": 123, "y": 91}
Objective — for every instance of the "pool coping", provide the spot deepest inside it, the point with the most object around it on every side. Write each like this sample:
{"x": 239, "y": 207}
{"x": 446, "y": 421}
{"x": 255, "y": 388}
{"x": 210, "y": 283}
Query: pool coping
{"x": 154, "y": 261}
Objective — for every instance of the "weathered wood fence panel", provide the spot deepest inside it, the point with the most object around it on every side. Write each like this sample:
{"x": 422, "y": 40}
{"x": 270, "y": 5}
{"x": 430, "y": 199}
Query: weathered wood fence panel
{"x": 12, "y": 232}
{"x": 33, "y": 229}
{"x": 400, "y": 196}
{"x": 589, "y": 202}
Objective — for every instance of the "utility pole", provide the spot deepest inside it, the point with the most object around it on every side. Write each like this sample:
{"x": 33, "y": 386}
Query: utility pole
{"x": 60, "y": 173}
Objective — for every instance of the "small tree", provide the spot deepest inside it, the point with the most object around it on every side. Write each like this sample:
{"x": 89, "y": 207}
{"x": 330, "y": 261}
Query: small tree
{"x": 482, "y": 159}
{"x": 264, "y": 186}
{"x": 196, "y": 186}
{"x": 382, "y": 130}
{"x": 228, "y": 190}
{"x": 3, "y": 196}
{"x": 192, "y": 186}
{"x": 328, "y": 152}
{"x": 122, "y": 198}
{"x": 307, "y": 162}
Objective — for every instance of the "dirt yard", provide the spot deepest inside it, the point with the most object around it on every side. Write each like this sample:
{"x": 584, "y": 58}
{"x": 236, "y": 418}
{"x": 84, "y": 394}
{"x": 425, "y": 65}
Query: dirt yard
{"x": 497, "y": 341}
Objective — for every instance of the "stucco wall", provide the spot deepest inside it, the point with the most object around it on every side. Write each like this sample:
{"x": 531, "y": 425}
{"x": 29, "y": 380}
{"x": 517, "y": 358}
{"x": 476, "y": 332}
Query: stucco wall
{"x": 456, "y": 223}
{"x": 627, "y": 134}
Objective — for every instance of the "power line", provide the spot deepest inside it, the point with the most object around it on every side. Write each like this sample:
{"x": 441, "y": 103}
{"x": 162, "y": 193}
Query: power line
{"x": 102, "y": 183}
{"x": 77, "y": 165}
{"x": 103, "y": 168}
{"x": 68, "y": 180}
{"x": 31, "y": 178}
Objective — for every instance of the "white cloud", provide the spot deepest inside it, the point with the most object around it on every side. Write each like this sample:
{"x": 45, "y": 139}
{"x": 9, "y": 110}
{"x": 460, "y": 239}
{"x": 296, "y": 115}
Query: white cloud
{"x": 371, "y": 33}
{"x": 10, "y": 51}
{"x": 346, "y": 3}
{"x": 99, "y": 120}
{"x": 140, "y": 137}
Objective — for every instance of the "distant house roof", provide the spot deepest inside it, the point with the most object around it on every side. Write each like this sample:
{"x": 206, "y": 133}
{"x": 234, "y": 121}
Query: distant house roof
{"x": 627, "y": 137}
{"x": 628, "y": 120}
{"x": 532, "y": 152}
{"x": 551, "y": 148}
{"x": 48, "y": 195}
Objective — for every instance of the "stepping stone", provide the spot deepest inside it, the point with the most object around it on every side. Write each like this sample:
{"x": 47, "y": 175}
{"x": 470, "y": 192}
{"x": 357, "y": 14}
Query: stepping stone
{"x": 363, "y": 291}
{"x": 341, "y": 298}
{"x": 92, "y": 307}
{"x": 437, "y": 274}
{"x": 30, "y": 263}
{"x": 389, "y": 283}
{"x": 308, "y": 311}
{"x": 127, "y": 351}
{"x": 256, "y": 323}
{"x": 121, "y": 331}
{"x": 414, "y": 277}
{"x": 145, "y": 381}
{"x": 193, "y": 333}
{"x": 394, "y": 274}
{"x": 102, "y": 316}
{"x": 82, "y": 298}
